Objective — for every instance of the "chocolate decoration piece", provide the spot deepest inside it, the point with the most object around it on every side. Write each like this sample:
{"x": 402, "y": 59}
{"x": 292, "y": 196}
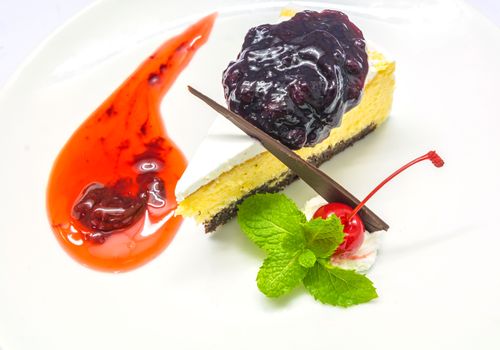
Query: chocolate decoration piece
{"x": 325, "y": 186}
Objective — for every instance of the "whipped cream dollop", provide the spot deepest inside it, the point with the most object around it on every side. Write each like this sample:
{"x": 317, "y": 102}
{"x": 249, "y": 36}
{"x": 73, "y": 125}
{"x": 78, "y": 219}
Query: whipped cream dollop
{"x": 361, "y": 260}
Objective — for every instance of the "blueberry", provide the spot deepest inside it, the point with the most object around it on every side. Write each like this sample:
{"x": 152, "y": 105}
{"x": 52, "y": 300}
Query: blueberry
{"x": 352, "y": 66}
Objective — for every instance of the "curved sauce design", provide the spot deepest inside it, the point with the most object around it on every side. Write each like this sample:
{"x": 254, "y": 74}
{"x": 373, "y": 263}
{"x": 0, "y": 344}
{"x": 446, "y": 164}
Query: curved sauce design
{"x": 110, "y": 197}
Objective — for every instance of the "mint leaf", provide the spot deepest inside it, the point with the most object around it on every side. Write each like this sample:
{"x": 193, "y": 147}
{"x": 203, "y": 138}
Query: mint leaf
{"x": 307, "y": 259}
{"x": 271, "y": 221}
{"x": 323, "y": 236}
{"x": 335, "y": 286}
{"x": 280, "y": 273}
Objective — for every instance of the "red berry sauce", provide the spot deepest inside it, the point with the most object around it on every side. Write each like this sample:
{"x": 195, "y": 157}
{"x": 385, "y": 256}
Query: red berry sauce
{"x": 110, "y": 197}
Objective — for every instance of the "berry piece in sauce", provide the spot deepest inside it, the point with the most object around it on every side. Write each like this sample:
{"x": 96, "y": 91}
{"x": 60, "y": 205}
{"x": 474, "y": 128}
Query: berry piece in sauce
{"x": 353, "y": 225}
{"x": 296, "y": 79}
{"x": 105, "y": 208}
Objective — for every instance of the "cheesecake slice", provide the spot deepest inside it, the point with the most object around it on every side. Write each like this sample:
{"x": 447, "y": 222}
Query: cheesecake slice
{"x": 230, "y": 166}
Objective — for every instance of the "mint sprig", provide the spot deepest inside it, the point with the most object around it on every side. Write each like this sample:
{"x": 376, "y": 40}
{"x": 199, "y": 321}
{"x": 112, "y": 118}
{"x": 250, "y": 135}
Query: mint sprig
{"x": 299, "y": 251}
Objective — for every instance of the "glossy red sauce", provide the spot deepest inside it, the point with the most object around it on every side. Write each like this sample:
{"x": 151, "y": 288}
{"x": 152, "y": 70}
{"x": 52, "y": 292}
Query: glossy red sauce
{"x": 110, "y": 197}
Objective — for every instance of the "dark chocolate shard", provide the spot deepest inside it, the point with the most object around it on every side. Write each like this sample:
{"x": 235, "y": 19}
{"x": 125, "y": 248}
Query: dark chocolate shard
{"x": 325, "y": 186}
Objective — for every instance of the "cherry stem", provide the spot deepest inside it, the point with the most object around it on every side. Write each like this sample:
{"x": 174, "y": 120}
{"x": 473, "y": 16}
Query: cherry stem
{"x": 432, "y": 156}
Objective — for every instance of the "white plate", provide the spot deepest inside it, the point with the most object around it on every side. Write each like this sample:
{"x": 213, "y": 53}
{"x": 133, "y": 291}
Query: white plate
{"x": 437, "y": 274}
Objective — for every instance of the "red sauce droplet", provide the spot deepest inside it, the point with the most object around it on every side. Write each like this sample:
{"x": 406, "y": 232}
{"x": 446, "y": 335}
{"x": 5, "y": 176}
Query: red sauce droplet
{"x": 110, "y": 197}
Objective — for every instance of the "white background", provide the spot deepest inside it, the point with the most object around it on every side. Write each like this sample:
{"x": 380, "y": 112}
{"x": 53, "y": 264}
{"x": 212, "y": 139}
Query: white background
{"x": 24, "y": 24}
{"x": 436, "y": 275}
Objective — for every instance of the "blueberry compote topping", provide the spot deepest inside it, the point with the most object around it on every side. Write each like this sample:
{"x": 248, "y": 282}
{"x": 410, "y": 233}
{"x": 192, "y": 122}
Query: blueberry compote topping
{"x": 296, "y": 79}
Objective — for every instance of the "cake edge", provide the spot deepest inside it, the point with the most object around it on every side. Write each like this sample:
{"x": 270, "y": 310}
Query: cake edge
{"x": 229, "y": 212}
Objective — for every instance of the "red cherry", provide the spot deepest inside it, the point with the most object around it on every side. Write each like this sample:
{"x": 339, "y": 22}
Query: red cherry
{"x": 353, "y": 226}
{"x": 354, "y": 229}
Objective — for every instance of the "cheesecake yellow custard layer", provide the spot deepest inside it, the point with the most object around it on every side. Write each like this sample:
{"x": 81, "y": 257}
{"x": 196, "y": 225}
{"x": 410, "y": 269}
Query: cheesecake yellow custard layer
{"x": 215, "y": 203}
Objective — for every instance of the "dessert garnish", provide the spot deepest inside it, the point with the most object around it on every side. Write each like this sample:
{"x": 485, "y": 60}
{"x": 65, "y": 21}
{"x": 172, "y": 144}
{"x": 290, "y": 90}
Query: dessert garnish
{"x": 110, "y": 196}
{"x": 305, "y": 74}
{"x": 314, "y": 177}
{"x": 353, "y": 225}
{"x": 301, "y": 251}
